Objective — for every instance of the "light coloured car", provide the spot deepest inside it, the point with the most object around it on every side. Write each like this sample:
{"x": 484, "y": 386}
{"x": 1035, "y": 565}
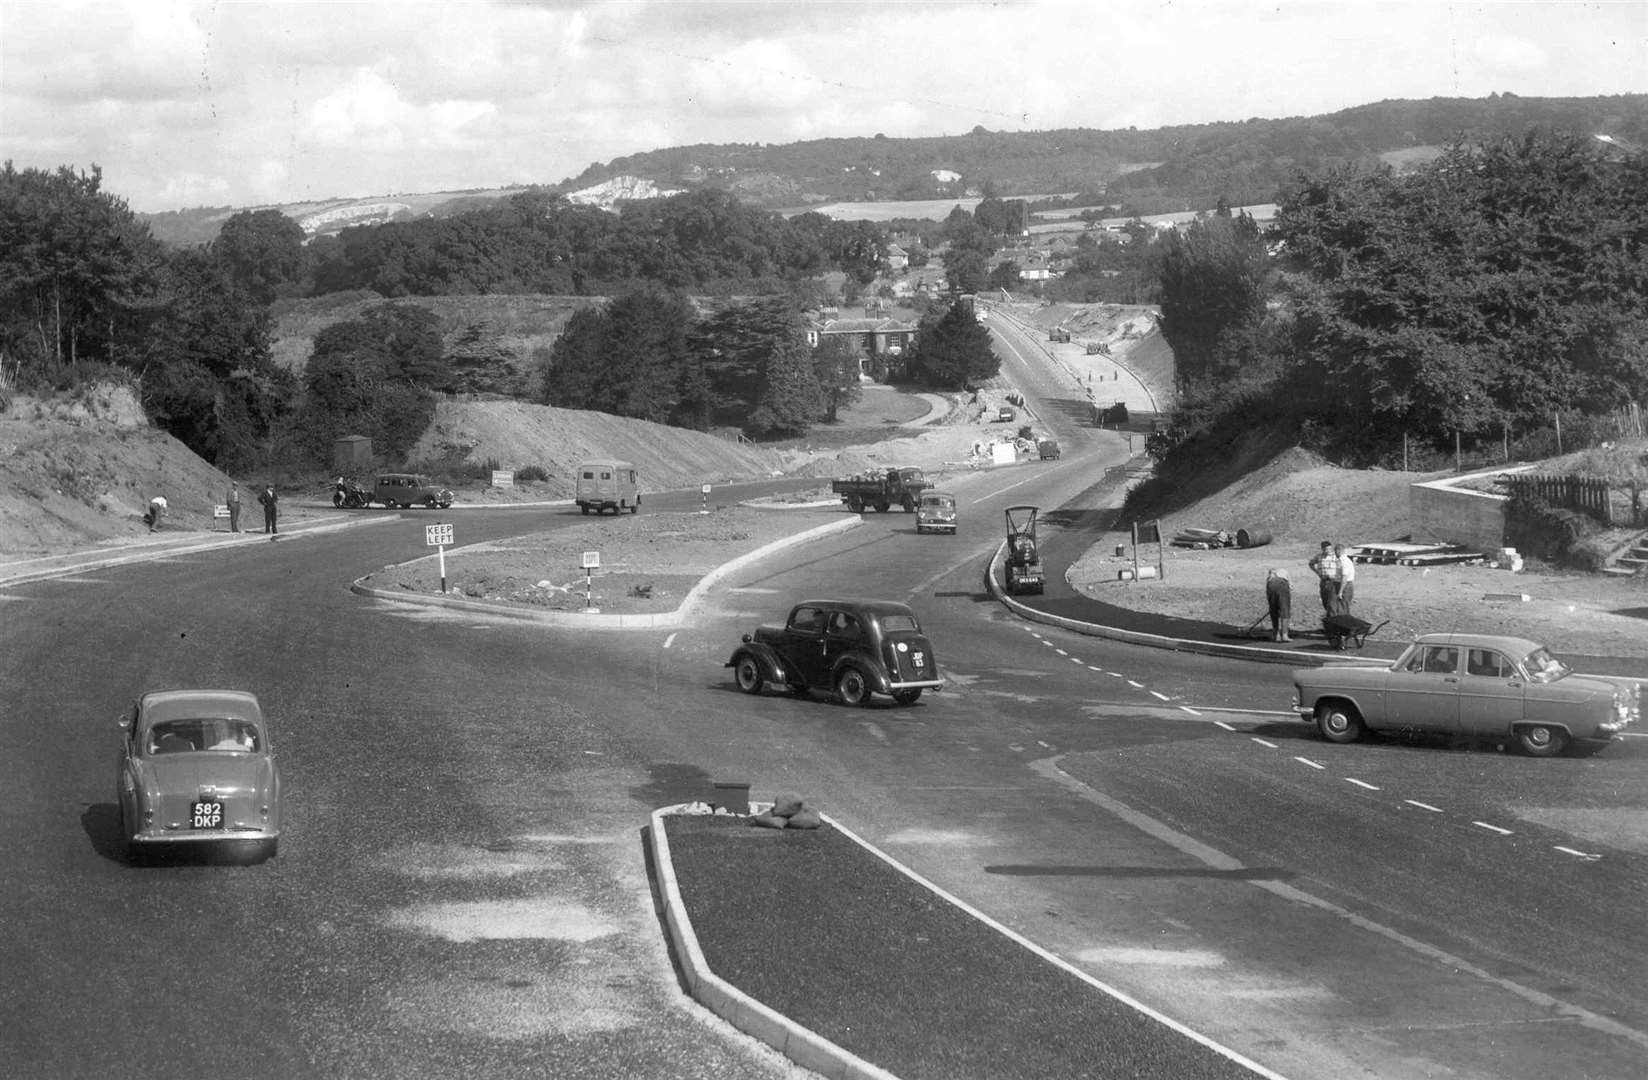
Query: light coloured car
{"x": 197, "y": 768}
{"x": 936, "y": 512}
{"x": 1476, "y": 685}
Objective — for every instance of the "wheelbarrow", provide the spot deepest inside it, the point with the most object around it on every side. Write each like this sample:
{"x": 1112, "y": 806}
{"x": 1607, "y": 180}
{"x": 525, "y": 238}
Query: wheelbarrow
{"x": 1347, "y": 631}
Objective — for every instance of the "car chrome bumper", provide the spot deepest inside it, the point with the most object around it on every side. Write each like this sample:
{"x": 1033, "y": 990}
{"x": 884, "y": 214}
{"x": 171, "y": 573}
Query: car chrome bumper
{"x": 205, "y": 836}
{"x": 917, "y": 684}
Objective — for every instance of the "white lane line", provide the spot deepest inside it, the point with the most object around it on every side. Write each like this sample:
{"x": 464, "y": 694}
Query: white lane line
{"x": 1423, "y": 806}
{"x": 1491, "y": 828}
{"x": 669, "y": 641}
{"x": 1193, "y": 712}
{"x": 1058, "y": 650}
{"x": 1159, "y": 695}
{"x": 1114, "y": 674}
{"x": 1135, "y": 685}
{"x": 1262, "y": 742}
{"x": 1361, "y": 783}
{"x": 1580, "y": 854}
{"x": 1312, "y": 764}
{"x": 1095, "y": 667}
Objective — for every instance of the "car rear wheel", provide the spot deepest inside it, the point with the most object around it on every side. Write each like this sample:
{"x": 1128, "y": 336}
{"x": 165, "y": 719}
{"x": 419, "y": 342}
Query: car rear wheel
{"x": 852, "y": 687}
{"x": 1338, "y": 722}
{"x": 907, "y": 697}
{"x": 431, "y": 502}
{"x": 1540, "y": 740}
{"x": 748, "y": 675}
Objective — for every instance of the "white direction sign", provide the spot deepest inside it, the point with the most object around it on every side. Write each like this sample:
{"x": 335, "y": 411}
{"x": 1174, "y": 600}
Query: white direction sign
{"x": 437, "y": 535}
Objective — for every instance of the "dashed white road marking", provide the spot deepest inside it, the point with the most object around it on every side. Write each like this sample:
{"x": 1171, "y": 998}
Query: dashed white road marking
{"x": 1423, "y": 806}
{"x": 1491, "y": 828}
{"x": 1159, "y": 695}
{"x": 1262, "y": 742}
{"x": 1193, "y": 712}
{"x": 1312, "y": 764}
{"x": 1058, "y": 650}
{"x": 1362, "y": 783}
{"x": 1135, "y": 685}
{"x": 1574, "y": 852}
{"x": 669, "y": 640}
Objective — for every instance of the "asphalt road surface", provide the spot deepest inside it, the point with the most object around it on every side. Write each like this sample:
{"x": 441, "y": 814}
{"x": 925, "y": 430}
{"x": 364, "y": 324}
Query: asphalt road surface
{"x": 461, "y": 890}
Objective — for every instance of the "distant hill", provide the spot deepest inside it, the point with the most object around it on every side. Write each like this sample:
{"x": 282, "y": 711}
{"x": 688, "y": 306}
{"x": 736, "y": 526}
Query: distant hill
{"x": 1188, "y": 167}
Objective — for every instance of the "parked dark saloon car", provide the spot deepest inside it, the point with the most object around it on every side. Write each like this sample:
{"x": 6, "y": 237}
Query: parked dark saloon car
{"x": 853, "y": 648}
{"x": 1477, "y": 685}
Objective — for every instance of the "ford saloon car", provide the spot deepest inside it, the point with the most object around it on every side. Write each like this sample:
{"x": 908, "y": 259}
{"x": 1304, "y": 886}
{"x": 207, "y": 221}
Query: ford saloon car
{"x": 1474, "y": 685}
{"x": 196, "y": 769}
{"x": 853, "y": 648}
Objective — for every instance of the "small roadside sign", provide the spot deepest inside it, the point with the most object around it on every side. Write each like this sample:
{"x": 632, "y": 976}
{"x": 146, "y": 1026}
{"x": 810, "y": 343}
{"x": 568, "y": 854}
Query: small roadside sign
{"x": 503, "y": 478}
{"x": 592, "y": 560}
{"x": 437, "y": 535}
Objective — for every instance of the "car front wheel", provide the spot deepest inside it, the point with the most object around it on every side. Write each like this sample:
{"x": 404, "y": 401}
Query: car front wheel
{"x": 748, "y": 674}
{"x": 852, "y": 687}
{"x": 431, "y": 502}
{"x": 1539, "y": 740}
{"x": 1338, "y": 722}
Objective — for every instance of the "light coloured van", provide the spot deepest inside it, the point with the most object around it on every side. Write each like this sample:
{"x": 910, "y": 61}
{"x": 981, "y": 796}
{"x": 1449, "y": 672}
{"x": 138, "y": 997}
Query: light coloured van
{"x": 608, "y": 485}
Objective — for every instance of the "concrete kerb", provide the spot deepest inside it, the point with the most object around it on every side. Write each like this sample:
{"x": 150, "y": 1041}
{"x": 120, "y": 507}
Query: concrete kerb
{"x": 801, "y": 1045}
{"x": 1160, "y": 641}
{"x": 652, "y": 620}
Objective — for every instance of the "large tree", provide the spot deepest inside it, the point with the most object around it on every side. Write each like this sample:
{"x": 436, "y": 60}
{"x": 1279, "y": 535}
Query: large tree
{"x": 951, "y": 351}
{"x": 80, "y": 276}
{"x": 262, "y": 251}
{"x": 1212, "y": 276}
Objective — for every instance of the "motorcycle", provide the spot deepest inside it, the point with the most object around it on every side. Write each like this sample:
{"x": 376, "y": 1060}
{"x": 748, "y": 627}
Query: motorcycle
{"x": 348, "y": 495}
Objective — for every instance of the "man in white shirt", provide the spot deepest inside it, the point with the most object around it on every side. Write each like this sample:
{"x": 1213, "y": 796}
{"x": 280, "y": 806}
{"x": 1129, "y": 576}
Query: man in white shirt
{"x": 1347, "y": 577}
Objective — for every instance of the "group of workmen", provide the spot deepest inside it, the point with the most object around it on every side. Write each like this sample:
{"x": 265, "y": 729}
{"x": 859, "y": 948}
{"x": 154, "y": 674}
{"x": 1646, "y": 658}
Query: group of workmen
{"x": 1335, "y": 572}
{"x": 266, "y": 498}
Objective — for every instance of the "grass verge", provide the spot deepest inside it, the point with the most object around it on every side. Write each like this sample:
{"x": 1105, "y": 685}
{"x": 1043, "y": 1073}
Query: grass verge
{"x": 811, "y": 924}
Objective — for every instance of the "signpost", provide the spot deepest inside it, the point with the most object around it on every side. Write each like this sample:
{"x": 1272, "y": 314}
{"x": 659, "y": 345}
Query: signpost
{"x": 592, "y": 562}
{"x": 438, "y": 537}
{"x": 706, "y": 493}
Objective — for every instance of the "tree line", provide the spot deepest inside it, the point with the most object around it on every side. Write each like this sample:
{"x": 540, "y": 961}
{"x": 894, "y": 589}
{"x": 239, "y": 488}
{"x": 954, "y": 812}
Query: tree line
{"x": 1500, "y": 287}
{"x": 87, "y": 293}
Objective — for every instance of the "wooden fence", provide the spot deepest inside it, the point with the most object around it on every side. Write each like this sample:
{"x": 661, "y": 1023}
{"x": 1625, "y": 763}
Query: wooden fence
{"x": 1621, "y": 505}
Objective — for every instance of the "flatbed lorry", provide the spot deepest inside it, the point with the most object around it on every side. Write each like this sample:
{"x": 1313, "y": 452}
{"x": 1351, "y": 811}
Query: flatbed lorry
{"x": 882, "y": 490}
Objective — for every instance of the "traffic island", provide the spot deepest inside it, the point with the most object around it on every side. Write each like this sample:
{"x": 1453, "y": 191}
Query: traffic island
{"x": 819, "y": 944}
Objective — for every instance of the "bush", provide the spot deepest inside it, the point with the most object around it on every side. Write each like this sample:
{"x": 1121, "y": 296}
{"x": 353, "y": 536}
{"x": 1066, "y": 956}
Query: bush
{"x": 531, "y": 474}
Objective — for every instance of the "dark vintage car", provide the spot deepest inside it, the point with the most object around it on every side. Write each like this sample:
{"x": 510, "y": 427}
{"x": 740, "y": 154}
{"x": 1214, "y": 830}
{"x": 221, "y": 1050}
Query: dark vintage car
{"x": 410, "y": 489}
{"x": 1475, "y": 685}
{"x": 853, "y": 648}
{"x": 196, "y": 768}
{"x": 936, "y": 512}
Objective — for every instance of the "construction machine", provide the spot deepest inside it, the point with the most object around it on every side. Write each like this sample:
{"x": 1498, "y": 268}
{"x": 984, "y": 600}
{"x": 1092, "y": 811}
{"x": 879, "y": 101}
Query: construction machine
{"x": 1024, "y": 572}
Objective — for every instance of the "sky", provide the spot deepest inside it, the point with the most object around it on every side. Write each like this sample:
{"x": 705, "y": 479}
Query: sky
{"x": 255, "y": 103}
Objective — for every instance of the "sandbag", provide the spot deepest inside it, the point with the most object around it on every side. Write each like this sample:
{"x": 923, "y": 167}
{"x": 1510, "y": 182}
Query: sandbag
{"x": 785, "y": 804}
{"x": 769, "y": 821}
{"x": 806, "y": 818}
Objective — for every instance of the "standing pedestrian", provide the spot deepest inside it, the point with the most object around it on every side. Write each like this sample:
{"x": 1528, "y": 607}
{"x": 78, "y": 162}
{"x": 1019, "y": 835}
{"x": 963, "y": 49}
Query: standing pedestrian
{"x": 1279, "y": 601}
{"x": 268, "y": 499}
{"x": 232, "y": 500}
{"x": 1347, "y": 577}
{"x": 1326, "y": 568}
{"x": 157, "y": 512}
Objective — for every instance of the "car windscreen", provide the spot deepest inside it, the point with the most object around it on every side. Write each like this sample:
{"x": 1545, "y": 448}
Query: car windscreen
{"x": 1543, "y": 667}
{"x": 892, "y": 624}
{"x": 195, "y": 734}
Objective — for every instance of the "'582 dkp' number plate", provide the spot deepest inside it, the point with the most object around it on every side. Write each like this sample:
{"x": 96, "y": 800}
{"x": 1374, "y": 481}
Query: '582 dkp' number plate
{"x": 206, "y": 814}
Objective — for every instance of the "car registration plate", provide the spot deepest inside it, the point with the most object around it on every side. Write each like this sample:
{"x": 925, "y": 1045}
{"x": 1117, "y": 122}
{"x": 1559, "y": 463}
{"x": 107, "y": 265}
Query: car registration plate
{"x": 919, "y": 658}
{"x": 206, "y": 814}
